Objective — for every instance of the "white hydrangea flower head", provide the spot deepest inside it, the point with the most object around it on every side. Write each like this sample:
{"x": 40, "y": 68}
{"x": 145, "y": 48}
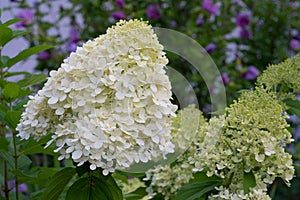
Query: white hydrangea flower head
{"x": 109, "y": 102}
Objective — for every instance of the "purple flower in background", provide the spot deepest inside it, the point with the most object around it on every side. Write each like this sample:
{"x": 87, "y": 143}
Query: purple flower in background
{"x": 117, "y": 15}
{"x": 251, "y": 73}
{"x": 44, "y": 55}
{"x": 200, "y": 20}
{"x": 120, "y": 3}
{"x": 244, "y": 33}
{"x": 225, "y": 78}
{"x": 210, "y": 47}
{"x": 153, "y": 12}
{"x": 27, "y": 15}
{"x": 242, "y": 20}
{"x": 295, "y": 44}
{"x": 22, "y": 187}
{"x": 210, "y": 7}
{"x": 74, "y": 35}
{"x": 71, "y": 46}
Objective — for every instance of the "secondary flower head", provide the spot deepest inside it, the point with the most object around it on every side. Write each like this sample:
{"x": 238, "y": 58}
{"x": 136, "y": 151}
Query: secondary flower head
{"x": 109, "y": 103}
{"x": 27, "y": 15}
{"x": 210, "y": 7}
{"x": 153, "y": 12}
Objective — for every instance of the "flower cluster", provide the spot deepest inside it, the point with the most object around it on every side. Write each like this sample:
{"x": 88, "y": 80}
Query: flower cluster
{"x": 109, "y": 103}
{"x": 251, "y": 138}
{"x": 188, "y": 128}
{"x": 282, "y": 78}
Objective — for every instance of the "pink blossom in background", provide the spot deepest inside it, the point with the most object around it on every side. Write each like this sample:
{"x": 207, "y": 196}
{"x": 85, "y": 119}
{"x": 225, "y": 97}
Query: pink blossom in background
{"x": 251, "y": 74}
{"x": 44, "y": 55}
{"x": 200, "y": 20}
{"x": 244, "y": 33}
{"x": 210, "y": 7}
{"x": 210, "y": 47}
{"x": 225, "y": 78}
{"x": 117, "y": 15}
{"x": 27, "y": 15}
{"x": 153, "y": 12}
{"x": 295, "y": 44}
{"x": 120, "y": 3}
{"x": 74, "y": 35}
{"x": 242, "y": 20}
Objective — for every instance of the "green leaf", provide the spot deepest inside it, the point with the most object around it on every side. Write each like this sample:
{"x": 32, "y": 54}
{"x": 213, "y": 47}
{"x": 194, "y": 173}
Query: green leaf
{"x": 27, "y": 53}
{"x": 9, "y": 74}
{"x": 57, "y": 183}
{"x": 4, "y": 144}
{"x": 24, "y": 162}
{"x": 136, "y": 195}
{"x": 13, "y": 21}
{"x": 195, "y": 190}
{"x": 11, "y": 90}
{"x": 81, "y": 170}
{"x": 24, "y": 92}
{"x": 18, "y": 33}
{"x": 202, "y": 177}
{"x": 9, "y": 159}
{"x": 32, "y": 146}
{"x": 248, "y": 181}
{"x": 108, "y": 180}
{"x": 6, "y": 35}
{"x": 34, "y": 79}
{"x": 13, "y": 117}
{"x": 294, "y": 106}
{"x": 4, "y": 60}
{"x": 90, "y": 188}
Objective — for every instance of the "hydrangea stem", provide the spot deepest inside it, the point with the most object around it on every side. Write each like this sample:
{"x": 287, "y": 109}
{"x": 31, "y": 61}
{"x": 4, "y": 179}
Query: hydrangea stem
{"x": 14, "y": 134}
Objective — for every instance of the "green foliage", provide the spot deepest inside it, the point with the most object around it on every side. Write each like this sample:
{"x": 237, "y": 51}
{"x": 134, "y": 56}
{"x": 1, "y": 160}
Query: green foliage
{"x": 57, "y": 184}
{"x": 94, "y": 188}
{"x": 248, "y": 181}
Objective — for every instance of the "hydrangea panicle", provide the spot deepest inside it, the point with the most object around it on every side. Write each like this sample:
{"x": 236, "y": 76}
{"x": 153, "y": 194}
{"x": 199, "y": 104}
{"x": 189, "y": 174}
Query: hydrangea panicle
{"x": 109, "y": 103}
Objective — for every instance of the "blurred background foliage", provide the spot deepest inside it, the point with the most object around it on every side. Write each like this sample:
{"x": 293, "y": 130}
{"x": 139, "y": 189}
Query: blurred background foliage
{"x": 241, "y": 36}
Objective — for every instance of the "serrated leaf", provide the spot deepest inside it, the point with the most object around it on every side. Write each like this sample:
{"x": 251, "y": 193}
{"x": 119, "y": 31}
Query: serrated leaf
{"x": 90, "y": 188}
{"x": 57, "y": 183}
{"x": 6, "y": 35}
{"x": 11, "y": 91}
{"x": 195, "y": 190}
{"x": 13, "y": 21}
{"x": 248, "y": 181}
{"x": 34, "y": 79}
{"x": 4, "y": 144}
{"x": 12, "y": 118}
{"x": 27, "y": 53}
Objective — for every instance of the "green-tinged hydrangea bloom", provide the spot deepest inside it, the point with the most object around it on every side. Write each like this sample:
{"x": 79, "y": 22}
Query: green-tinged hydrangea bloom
{"x": 251, "y": 138}
{"x": 283, "y": 78}
{"x": 188, "y": 126}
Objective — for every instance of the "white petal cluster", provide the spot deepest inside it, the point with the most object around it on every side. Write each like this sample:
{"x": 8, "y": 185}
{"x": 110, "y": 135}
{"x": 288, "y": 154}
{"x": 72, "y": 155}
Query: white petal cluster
{"x": 109, "y": 103}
